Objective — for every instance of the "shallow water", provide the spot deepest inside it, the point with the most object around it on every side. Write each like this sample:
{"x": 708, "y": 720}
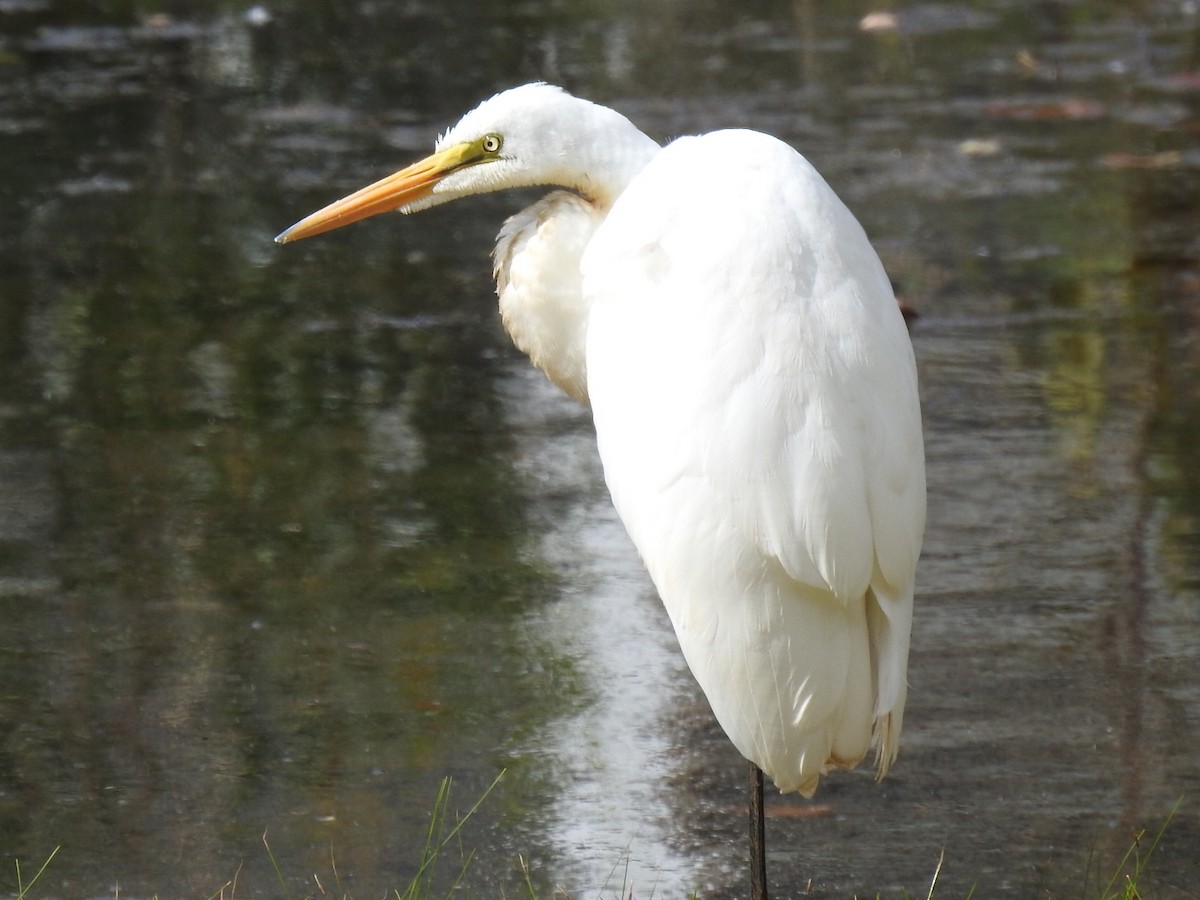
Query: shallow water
{"x": 287, "y": 535}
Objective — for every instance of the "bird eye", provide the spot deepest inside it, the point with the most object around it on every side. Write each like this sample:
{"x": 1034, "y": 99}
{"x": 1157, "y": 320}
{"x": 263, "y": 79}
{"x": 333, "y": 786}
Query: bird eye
{"x": 491, "y": 143}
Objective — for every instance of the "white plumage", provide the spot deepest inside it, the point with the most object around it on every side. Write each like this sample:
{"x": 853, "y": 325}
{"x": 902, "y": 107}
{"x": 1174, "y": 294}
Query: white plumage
{"x": 754, "y": 394}
{"x": 755, "y": 401}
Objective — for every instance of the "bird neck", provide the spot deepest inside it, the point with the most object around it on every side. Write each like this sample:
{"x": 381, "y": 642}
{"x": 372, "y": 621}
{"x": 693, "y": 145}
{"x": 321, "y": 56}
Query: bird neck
{"x": 538, "y": 252}
{"x": 602, "y": 156}
{"x": 603, "y": 182}
{"x": 540, "y": 288}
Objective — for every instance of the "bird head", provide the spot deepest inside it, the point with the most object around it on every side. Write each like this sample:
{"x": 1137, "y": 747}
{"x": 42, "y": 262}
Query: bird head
{"x": 536, "y": 134}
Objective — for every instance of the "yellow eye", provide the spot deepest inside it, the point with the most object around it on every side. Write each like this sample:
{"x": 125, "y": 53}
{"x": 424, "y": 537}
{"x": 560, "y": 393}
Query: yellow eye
{"x": 491, "y": 143}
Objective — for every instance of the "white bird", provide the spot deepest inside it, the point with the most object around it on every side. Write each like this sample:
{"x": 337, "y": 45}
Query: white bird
{"x": 754, "y": 394}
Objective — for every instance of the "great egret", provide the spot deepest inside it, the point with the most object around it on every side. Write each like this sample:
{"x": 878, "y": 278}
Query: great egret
{"x": 754, "y": 395}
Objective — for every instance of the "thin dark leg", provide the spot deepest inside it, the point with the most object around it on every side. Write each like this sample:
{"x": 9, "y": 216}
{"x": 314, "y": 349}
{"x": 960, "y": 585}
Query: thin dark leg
{"x": 758, "y": 843}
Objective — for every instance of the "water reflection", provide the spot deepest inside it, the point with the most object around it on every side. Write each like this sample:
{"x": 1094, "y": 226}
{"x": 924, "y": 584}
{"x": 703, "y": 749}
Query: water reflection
{"x": 284, "y": 539}
{"x": 609, "y": 759}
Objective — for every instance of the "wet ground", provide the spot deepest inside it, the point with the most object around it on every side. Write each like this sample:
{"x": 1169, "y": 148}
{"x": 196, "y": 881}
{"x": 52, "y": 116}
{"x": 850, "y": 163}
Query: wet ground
{"x": 289, "y": 535}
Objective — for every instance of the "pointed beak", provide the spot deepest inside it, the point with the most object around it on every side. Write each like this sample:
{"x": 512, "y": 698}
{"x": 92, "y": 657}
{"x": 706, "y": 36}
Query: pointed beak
{"x": 394, "y": 192}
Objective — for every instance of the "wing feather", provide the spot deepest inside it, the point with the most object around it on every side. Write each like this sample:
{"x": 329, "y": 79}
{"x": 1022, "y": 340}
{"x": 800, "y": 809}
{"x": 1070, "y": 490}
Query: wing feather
{"x": 755, "y": 401}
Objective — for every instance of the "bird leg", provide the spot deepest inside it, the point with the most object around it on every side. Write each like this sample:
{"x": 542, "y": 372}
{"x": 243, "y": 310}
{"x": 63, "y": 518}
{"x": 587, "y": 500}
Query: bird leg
{"x": 758, "y": 844}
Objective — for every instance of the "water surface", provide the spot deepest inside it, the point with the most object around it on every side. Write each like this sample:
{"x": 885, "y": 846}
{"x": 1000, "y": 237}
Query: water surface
{"x": 289, "y": 535}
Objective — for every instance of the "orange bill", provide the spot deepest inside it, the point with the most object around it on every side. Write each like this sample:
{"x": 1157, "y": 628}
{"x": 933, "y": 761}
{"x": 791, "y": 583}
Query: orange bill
{"x": 406, "y": 186}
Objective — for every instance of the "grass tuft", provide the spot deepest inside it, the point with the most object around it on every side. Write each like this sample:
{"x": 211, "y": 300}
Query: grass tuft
{"x": 437, "y": 839}
{"x": 1124, "y": 882}
{"x": 1128, "y": 881}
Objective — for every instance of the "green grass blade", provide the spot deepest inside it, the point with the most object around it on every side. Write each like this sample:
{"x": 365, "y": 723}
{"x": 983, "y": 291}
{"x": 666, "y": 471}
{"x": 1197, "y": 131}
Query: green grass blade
{"x": 275, "y": 866}
{"x": 436, "y": 842}
{"x": 23, "y": 889}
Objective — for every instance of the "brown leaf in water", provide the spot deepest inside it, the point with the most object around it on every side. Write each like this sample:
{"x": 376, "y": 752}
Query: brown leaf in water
{"x": 1070, "y": 110}
{"x": 1185, "y": 81}
{"x": 1168, "y": 159}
